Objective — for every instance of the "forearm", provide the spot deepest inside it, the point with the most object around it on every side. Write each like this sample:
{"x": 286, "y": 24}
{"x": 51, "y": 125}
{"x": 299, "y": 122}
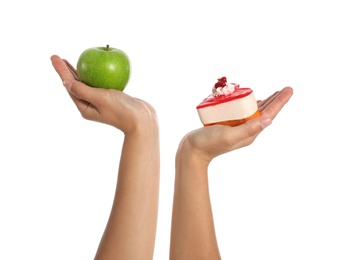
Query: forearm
{"x": 131, "y": 230}
{"x": 192, "y": 234}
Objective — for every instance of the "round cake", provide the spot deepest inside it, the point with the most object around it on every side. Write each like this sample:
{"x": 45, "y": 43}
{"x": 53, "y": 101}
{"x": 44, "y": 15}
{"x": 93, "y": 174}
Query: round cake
{"x": 228, "y": 104}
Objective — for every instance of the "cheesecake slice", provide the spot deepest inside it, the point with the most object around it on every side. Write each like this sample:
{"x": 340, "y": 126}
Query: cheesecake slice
{"x": 228, "y": 104}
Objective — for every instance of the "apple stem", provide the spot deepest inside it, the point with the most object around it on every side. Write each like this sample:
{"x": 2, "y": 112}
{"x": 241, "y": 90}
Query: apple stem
{"x": 107, "y": 47}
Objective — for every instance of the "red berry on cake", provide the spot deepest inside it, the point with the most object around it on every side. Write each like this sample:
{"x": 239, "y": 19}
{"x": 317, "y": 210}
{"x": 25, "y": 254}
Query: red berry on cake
{"x": 221, "y": 82}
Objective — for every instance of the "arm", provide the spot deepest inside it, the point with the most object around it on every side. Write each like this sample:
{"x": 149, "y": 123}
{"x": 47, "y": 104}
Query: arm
{"x": 192, "y": 235}
{"x": 130, "y": 232}
{"x": 192, "y": 232}
{"x": 131, "y": 228}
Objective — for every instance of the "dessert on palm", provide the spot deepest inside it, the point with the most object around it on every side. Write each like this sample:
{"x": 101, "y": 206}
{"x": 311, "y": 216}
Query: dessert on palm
{"x": 228, "y": 104}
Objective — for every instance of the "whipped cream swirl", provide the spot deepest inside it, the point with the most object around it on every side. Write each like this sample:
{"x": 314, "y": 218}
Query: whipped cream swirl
{"x": 227, "y": 89}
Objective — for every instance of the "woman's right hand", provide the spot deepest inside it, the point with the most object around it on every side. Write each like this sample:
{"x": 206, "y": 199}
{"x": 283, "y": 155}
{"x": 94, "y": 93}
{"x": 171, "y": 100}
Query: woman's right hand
{"x": 107, "y": 106}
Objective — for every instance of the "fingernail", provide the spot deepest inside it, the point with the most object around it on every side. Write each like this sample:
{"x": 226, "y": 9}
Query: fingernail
{"x": 67, "y": 84}
{"x": 265, "y": 122}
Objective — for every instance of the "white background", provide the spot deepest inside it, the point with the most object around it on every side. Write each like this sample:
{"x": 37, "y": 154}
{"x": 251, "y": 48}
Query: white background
{"x": 284, "y": 197}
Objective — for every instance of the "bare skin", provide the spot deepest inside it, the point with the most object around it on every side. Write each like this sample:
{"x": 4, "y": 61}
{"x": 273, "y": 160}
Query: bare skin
{"x": 193, "y": 235}
{"x": 131, "y": 229}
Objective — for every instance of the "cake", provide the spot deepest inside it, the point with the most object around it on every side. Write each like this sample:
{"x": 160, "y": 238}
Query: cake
{"x": 228, "y": 104}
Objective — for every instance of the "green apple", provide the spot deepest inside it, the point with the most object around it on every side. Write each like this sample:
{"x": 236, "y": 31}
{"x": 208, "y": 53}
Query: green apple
{"x": 104, "y": 67}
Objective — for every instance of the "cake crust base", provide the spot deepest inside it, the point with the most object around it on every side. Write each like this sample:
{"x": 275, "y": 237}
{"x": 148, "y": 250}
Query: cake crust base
{"x": 236, "y": 122}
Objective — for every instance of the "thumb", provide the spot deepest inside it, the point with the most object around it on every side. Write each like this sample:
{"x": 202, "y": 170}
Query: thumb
{"x": 255, "y": 126}
{"x": 249, "y": 131}
{"x": 81, "y": 91}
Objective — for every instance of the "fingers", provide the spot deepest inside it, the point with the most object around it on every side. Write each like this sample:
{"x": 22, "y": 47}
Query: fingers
{"x": 61, "y": 68}
{"x": 222, "y": 139}
{"x": 263, "y": 103}
{"x": 277, "y": 103}
{"x": 251, "y": 128}
{"x": 82, "y": 95}
{"x": 72, "y": 69}
{"x": 274, "y": 105}
{"x": 82, "y": 91}
{"x": 77, "y": 89}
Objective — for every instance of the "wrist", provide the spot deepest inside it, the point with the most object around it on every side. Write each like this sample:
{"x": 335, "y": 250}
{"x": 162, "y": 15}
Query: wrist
{"x": 191, "y": 157}
{"x": 146, "y": 125}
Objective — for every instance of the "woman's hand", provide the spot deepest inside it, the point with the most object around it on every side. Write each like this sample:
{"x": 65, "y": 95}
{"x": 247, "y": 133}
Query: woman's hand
{"x": 107, "y": 106}
{"x": 212, "y": 141}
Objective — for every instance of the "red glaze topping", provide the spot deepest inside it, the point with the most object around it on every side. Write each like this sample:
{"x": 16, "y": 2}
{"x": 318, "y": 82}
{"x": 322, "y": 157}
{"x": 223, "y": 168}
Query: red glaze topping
{"x": 213, "y": 100}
